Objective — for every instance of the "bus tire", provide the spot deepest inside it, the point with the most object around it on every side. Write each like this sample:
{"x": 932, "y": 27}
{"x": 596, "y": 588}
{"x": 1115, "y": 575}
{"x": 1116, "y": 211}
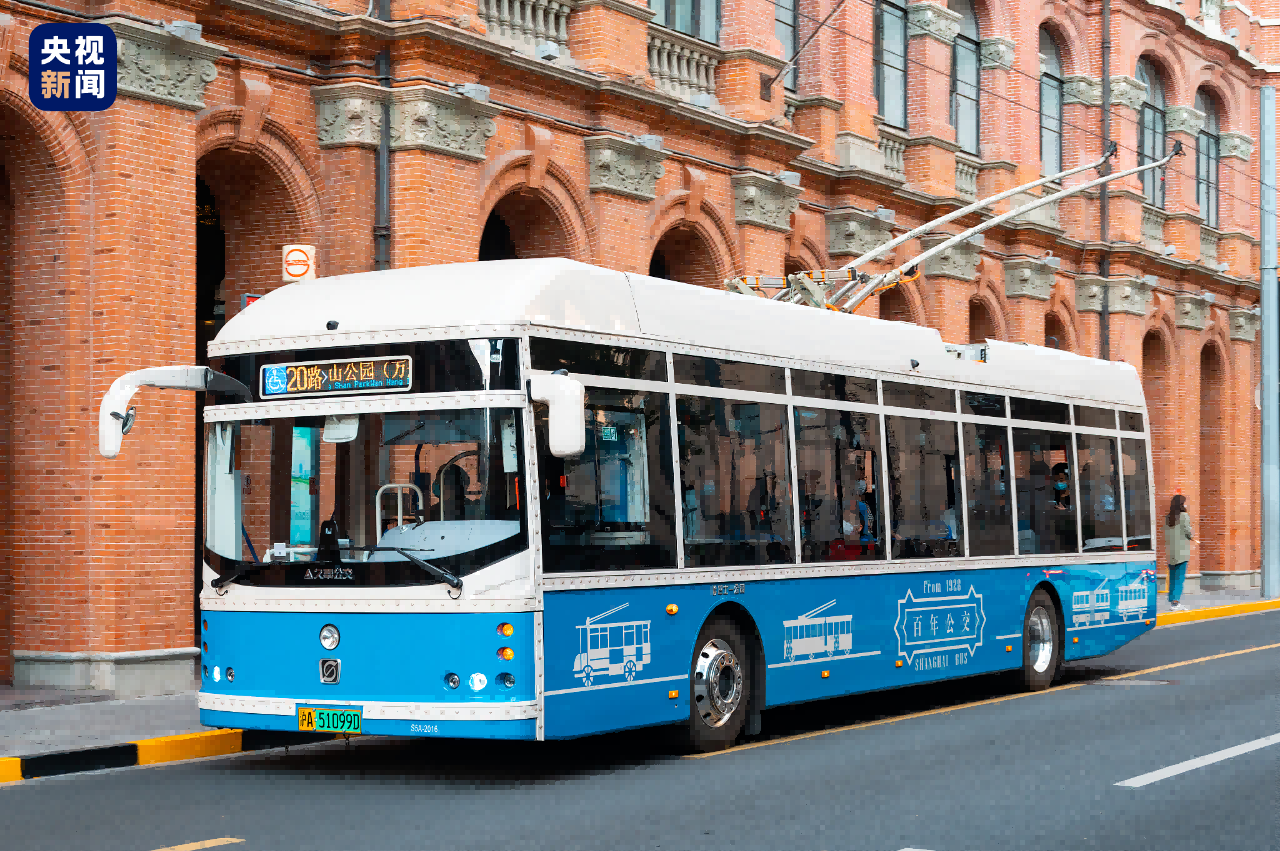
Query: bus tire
{"x": 1041, "y": 642}
{"x": 720, "y": 686}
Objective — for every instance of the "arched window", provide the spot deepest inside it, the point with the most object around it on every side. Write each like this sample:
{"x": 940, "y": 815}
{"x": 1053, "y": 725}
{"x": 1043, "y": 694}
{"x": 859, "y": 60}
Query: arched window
{"x": 1050, "y": 105}
{"x": 964, "y": 78}
{"x": 1151, "y": 141}
{"x": 786, "y": 29}
{"x": 889, "y": 57}
{"x": 698, "y": 18}
{"x": 1207, "y": 159}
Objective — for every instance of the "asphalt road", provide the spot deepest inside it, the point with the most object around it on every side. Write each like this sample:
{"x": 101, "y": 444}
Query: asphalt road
{"x": 937, "y": 772}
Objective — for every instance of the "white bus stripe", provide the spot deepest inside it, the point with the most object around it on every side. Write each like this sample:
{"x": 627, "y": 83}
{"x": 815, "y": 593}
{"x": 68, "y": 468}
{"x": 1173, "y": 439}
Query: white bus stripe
{"x": 824, "y": 659}
{"x": 616, "y": 685}
{"x": 1198, "y": 762}
{"x": 1003, "y": 637}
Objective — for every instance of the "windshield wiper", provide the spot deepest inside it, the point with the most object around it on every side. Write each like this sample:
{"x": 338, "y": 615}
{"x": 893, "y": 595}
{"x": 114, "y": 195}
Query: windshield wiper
{"x": 246, "y": 568}
{"x": 439, "y": 572}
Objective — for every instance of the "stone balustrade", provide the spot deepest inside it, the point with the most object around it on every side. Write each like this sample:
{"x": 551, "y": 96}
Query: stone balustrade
{"x": 524, "y": 25}
{"x": 684, "y": 67}
{"x": 1153, "y": 220}
{"x": 966, "y": 177}
{"x": 893, "y": 147}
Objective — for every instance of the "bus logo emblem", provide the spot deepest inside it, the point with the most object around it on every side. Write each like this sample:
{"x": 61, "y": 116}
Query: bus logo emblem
{"x": 934, "y": 624}
{"x": 813, "y": 634}
{"x": 330, "y": 671}
{"x": 611, "y": 649}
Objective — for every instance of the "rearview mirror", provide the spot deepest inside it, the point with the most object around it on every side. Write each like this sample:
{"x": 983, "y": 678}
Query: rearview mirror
{"x": 565, "y": 398}
{"x": 341, "y": 428}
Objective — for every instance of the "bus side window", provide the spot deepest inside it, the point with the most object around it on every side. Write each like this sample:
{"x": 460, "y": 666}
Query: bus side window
{"x": 1137, "y": 496}
{"x": 1046, "y": 492}
{"x": 986, "y": 467}
{"x": 613, "y": 507}
{"x": 924, "y": 484}
{"x": 838, "y": 471}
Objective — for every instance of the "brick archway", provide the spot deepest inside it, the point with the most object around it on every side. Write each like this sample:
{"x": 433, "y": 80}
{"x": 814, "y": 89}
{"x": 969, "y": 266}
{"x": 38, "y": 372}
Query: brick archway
{"x": 684, "y": 253}
{"x": 1158, "y": 360}
{"x": 523, "y": 225}
{"x": 552, "y": 187}
{"x": 1212, "y": 447}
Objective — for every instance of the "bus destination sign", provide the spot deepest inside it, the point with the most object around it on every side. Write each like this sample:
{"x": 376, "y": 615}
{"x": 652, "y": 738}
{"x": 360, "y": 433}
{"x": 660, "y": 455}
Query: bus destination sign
{"x": 337, "y": 377}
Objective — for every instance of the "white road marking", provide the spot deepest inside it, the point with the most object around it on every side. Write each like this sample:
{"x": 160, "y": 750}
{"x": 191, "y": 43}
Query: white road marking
{"x": 1198, "y": 762}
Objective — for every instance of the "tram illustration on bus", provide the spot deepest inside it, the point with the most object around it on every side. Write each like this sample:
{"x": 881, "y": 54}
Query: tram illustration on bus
{"x": 811, "y": 635}
{"x": 611, "y": 649}
{"x": 1091, "y": 606}
{"x": 645, "y": 477}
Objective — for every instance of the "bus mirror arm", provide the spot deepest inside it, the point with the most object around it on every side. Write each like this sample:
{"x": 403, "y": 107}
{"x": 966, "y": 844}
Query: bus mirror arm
{"x": 565, "y": 398}
{"x": 115, "y": 417}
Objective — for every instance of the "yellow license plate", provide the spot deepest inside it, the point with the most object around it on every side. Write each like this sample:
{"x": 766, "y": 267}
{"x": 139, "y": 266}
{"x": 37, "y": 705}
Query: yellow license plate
{"x": 312, "y": 719}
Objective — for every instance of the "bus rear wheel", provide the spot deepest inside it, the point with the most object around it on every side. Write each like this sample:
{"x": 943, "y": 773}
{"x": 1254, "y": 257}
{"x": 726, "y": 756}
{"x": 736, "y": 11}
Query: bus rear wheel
{"x": 1041, "y": 644}
{"x": 720, "y": 685}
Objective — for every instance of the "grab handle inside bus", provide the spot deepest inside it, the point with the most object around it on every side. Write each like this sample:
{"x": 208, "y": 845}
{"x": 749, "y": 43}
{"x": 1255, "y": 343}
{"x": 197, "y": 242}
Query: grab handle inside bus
{"x": 565, "y": 398}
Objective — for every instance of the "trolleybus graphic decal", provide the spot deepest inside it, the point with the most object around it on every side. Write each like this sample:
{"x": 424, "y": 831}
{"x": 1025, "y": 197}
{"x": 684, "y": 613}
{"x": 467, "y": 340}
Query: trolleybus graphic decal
{"x": 1132, "y": 598}
{"x": 611, "y": 649}
{"x": 934, "y": 624}
{"x": 1093, "y": 605}
{"x": 811, "y": 635}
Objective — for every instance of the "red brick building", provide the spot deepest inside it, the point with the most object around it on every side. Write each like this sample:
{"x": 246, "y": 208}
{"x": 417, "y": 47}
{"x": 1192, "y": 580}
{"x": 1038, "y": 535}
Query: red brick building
{"x": 631, "y": 136}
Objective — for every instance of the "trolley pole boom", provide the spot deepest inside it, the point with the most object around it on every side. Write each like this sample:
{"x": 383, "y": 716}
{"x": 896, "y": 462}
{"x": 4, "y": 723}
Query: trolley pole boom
{"x": 889, "y": 279}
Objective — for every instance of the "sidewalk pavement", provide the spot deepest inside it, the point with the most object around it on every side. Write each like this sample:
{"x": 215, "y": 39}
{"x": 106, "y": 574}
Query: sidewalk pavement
{"x": 50, "y": 731}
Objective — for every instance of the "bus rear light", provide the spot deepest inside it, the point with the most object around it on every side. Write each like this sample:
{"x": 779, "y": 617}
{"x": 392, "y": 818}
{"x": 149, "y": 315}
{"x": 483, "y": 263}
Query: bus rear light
{"x": 452, "y": 680}
{"x": 506, "y": 629}
{"x": 506, "y": 680}
{"x": 506, "y": 654}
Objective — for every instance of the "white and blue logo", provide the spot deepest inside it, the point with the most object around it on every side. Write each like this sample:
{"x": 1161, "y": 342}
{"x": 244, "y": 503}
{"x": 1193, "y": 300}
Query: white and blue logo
{"x": 73, "y": 67}
{"x": 934, "y": 624}
{"x": 275, "y": 380}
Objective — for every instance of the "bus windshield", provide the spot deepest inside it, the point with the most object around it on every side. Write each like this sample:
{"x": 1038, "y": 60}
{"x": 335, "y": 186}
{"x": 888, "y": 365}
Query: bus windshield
{"x": 329, "y": 500}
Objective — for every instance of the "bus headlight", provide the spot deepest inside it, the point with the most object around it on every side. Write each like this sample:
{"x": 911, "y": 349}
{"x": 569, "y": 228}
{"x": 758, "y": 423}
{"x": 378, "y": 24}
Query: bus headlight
{"x": 506, "y": 680}
{"x": 451, "y": 680}
{"x": 477, "y": 681}
{"x": 329, "y": 636}
{"x": 506, "y": 654}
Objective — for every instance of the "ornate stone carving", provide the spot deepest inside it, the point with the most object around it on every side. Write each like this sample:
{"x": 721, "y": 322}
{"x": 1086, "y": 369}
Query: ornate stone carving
{"x": 1183, "y": 119}
{"x": 1028, "y": 277}
{"x": 1243, "y": 324}
{"x": 854, "y": 151}
{"x": 1078, "y": 88}
{"x": 934, "y": 21}
{"x": 348, "y": 114}
{"x": 1126, "y": 91}
{"x": 852, "y": 232}
{"x": 1190, "y": 310}
{"x": 958, "y": 261}
{"x": 1209, "y": 248}
{"x": 997, "y": 52}
{"x": 1127, "y": 295}
{"x": 624, "y": 166}
{"x": 763, "y": 201}
{"x": 1236, "y": 145}
{"x": 430, "y": 119}
{"x": 153, "y": 64}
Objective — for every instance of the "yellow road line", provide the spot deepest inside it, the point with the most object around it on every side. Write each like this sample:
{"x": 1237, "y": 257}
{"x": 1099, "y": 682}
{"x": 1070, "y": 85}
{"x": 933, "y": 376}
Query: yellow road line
{"x": 10, "y": 769}
{"x": 1169, "y": 618}
{"x": 188, "y": 746}
{"x": 208, "y": 843}
{"x": 987, "y": 702}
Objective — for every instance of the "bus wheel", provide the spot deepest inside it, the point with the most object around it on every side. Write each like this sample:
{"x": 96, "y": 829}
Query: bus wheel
{"x": 1041, "y": 650}
{"x": 630, "y": 670}
{"x": 720, "y": 677}
{"x": 586, "y": 675}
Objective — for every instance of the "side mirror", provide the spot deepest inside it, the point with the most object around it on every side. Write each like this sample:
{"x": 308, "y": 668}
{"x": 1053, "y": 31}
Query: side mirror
{"x": 126, "y": 419}
{"x": 565, "y": 398}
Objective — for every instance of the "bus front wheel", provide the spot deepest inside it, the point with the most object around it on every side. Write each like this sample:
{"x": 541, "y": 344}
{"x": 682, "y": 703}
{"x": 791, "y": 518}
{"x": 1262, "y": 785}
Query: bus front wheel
{"x": 720, "y": 674}
{"x": 1041, "y": 644}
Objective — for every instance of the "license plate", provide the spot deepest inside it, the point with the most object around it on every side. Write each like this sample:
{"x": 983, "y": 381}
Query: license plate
{"x": 313, "y": 719}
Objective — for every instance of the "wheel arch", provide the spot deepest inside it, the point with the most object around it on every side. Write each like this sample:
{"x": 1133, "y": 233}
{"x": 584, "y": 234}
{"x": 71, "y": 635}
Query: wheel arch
{"x": 1052, "y": 590}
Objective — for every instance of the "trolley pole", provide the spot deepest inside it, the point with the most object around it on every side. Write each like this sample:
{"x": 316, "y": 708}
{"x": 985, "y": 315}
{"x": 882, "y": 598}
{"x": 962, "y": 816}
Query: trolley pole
{"x": 1270, "y": 348}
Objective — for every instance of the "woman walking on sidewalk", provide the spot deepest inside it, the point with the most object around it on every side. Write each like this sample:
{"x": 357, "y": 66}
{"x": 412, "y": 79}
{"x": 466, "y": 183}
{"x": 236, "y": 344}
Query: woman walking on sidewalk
{"x": 1177, "y": 544}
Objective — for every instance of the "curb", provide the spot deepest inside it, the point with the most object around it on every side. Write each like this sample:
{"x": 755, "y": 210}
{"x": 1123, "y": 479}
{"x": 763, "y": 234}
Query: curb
{"x": 1170, "y": 618}
{"x": 151, "y": 752}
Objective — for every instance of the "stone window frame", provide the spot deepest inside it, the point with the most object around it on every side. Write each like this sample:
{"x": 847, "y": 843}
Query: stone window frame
{"x": 1208, "y": 155}
{"x": 1051, "y": 76}
{"x": 971, "y": 44}
{"x": 664, "y": 16}
{"x": 878, "y": 62}
{"x": 1153, "y": 140}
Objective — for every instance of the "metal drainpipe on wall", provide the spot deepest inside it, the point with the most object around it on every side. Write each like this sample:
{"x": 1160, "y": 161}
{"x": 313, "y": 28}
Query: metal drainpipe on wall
{"x": 382, "y": 168}
{"x": 1270, "y": 391}
{"x": 1104, "y": 235}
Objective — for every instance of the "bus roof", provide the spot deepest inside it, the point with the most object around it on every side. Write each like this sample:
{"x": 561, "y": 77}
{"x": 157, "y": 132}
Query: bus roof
{"x": 378, "y": 307}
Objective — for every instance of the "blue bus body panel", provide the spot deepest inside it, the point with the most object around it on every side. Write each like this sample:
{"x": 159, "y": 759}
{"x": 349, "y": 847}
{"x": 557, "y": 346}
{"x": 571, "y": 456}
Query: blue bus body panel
{"x": 393, "y": 657}
{"x": 614, "y": 657}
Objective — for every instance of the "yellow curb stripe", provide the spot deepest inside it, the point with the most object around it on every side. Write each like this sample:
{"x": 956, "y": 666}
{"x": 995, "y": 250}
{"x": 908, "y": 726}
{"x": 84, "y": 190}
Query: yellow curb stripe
{"x": 1168, "y": 618}
{"x": 188, "y": 746}
{"x": 208, "y": 843}
{"x": 10, "y": 769}
{"x": 987, "y": 702}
